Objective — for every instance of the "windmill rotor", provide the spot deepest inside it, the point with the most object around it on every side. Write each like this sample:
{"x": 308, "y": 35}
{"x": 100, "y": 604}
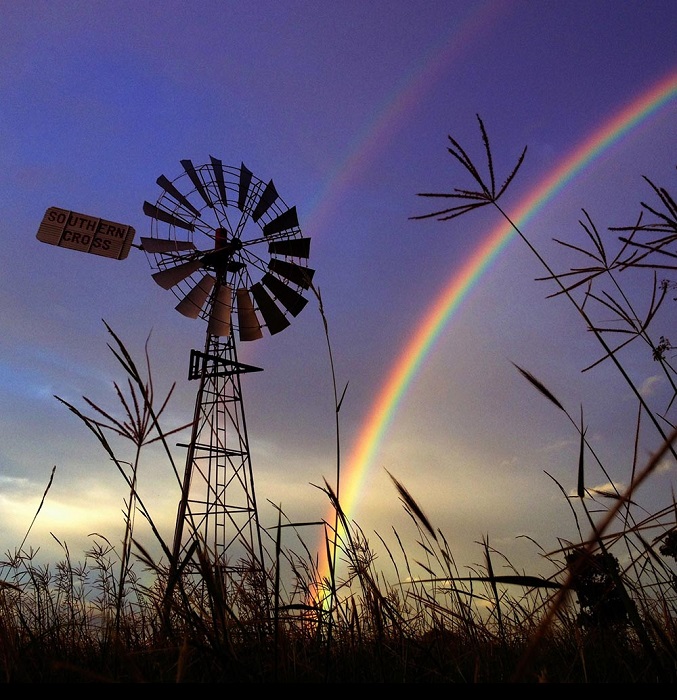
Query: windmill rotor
{"x": 229, "y": 248}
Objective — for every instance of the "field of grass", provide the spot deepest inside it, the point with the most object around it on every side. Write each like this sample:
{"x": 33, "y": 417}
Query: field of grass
{"x": 606, "y": 612}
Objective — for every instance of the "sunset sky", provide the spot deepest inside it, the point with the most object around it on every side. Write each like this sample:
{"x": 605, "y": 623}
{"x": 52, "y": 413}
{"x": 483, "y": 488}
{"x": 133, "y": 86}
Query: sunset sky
{"x": 347, "y": 106}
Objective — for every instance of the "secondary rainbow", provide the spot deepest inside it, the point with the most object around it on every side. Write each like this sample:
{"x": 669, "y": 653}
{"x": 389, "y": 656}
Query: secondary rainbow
{"x": 464, "y": 279}
{"x": 378, "y": 134}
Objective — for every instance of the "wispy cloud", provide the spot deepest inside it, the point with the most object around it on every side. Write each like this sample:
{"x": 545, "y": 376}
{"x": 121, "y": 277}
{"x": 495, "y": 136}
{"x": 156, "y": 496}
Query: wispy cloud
{"x": 609, "y": 488}
{"x": 650, "y": 386}
{"x": 666, "y": 465}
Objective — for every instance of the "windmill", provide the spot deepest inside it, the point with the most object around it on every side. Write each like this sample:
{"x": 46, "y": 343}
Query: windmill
{"x": 230, "y": 249}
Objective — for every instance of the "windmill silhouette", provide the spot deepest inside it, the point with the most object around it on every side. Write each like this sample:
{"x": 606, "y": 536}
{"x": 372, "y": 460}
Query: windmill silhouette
{"x": 233, "y": 254}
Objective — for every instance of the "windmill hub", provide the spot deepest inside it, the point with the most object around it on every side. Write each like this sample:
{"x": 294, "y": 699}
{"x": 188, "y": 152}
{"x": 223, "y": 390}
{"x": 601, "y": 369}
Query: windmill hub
{"x": 221, "y": 259}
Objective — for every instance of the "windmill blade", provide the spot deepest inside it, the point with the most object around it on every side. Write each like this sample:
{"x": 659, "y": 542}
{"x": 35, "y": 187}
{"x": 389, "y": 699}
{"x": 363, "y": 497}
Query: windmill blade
{"x": 191, "y": 305}
{"x": 171, "y": 190}
{"x": 243, "y": 190}
{"x": 288, "y": 297}
{"x": 248, "y": 323}
{"x": 162, "y": 215}
{"x": 165, "y": 245}
{"x": 292, "y": 247}
{"x": 217, "y": 168}
{"x": 173, "y": 275}
{"x": 302, "y": 276}
{"x": 195, "y": 179}
{"x": 285, "y": 221}
{"x": 274, "y": 319}
{"x": 266, "y": 200}
{"x": 219, "y": 319}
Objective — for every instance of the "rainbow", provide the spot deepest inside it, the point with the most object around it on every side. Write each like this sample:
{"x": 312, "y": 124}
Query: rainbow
{"x": 464, "y": 279}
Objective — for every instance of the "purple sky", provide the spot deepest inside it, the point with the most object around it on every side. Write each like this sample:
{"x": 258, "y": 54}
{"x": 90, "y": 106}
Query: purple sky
{"x": 347, "y": 106}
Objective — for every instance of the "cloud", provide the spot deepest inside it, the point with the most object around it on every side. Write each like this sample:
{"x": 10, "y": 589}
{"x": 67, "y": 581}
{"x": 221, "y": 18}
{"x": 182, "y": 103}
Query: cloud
{"x": 650, "y": 386}
{"x": 613, "y": 489}
{"x": 666, "y": 465}
{"x": 558, "y": 446}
